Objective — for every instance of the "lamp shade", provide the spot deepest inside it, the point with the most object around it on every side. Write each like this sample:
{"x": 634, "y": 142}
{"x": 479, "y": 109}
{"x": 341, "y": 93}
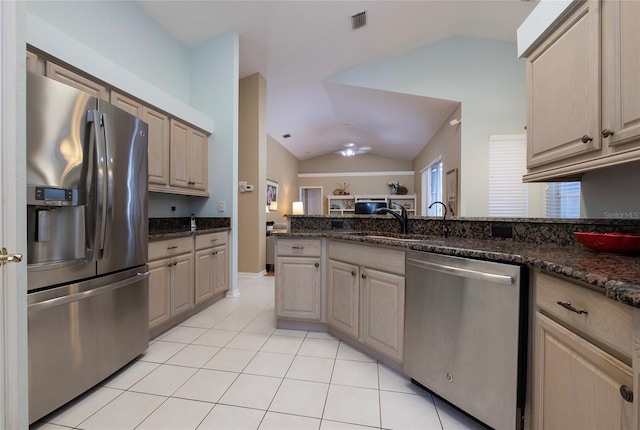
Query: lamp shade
{"x": 268, "y": 211}
{"x": 273, "y": 206}
{"x": 298, "y": 208}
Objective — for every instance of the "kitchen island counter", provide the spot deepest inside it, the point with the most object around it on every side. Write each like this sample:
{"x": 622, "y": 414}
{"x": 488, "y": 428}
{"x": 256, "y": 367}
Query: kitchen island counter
{"x": 618, "y": 276}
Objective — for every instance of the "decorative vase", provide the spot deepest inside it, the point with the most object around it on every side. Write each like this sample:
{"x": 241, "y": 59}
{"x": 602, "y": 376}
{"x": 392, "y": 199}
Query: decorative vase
{"x": 394, "y": 190}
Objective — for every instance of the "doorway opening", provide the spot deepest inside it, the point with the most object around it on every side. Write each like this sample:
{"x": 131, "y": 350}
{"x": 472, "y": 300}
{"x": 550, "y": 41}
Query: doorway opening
{"x": 311, "y": 198}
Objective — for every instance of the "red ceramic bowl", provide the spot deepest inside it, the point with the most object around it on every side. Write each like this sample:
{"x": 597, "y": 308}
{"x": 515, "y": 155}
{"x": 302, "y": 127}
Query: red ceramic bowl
{"x": 620, "y": 243}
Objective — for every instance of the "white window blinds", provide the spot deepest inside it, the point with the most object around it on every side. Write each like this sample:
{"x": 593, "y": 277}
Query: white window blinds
{"x": 435, "y": 188}
{"x": 508, "y": 195}
{"x": 563, "y": 200}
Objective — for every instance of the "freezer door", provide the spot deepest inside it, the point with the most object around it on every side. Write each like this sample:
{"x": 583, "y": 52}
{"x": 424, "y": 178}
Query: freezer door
{"x": 121, "y": 195}
{"x": 81, "y": 333}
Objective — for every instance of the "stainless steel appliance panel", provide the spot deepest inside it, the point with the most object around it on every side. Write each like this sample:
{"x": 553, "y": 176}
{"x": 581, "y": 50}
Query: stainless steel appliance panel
{"x": 57, "y": 132}
{"x": 122, "y": 202}
{"x": 463, "y": 334}
{"x": 79, "y": 334}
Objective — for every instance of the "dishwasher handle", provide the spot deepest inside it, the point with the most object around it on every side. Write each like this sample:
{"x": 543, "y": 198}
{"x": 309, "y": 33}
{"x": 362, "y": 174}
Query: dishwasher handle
{"x": 465, "y": 273}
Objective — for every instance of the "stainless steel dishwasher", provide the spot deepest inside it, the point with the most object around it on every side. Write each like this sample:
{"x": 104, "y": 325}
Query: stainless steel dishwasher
{"x": 465, "y": 334}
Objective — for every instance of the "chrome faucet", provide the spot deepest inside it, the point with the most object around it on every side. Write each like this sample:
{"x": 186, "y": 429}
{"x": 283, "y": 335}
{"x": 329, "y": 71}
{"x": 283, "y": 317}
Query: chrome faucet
{"x": 400, "y": 217}
{"x": 445, "y": 229}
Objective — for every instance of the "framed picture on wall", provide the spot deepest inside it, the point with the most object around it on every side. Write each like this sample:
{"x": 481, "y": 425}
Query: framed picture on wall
{"x": 272, "y": 195}
{"x": 452, "y": 191}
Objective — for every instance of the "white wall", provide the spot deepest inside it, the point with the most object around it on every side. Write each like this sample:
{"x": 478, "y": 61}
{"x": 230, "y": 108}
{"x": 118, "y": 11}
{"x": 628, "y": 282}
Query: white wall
{"x": 484, "y": 75}
{"x": 124, "y": 33}
{"x": 612, "y": 192}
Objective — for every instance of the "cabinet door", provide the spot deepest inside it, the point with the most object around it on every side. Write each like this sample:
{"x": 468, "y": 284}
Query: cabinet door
{"x": 342, "y": 297}
{"x": 563, "y": 79}
{"x": 621, "y": 68}
{"x": 576, "y": 384}
{"x": 298, "y": 288}
{"x": 198, "y": 159}
{"x": 179, "y": 144}
{"x": 158, "y": 146}
{"x": 75, "y": 80}
{"x": 204, "y": 272}
{"x": 127, "y": 104}
{"x": 382, "y": 312}
{"x": 159, "y": 298}
{"x": 220, "y": 265}
{"x": 182, "y": 284}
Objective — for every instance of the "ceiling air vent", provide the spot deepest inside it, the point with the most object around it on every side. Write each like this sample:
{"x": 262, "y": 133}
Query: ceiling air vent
{"x": 359, "y": 20}
{"x": 286, "y": 136}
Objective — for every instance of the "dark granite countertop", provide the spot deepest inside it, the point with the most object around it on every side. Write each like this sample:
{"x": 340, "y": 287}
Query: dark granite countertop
{"x": 168, "y": 234}
{"x": 618, "y": 276}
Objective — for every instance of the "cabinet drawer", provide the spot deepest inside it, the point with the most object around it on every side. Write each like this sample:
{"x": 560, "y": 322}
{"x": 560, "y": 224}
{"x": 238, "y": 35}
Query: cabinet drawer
{"x": 387, "y": 260}
{"x": 607, "y": 322}
{"x": 305, "y": 247}
{"x": 211, "y": 239}
{"x": 169, "y": 247}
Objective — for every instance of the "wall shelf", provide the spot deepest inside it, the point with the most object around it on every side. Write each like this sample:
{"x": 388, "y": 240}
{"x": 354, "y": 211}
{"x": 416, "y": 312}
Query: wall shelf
{"x": 344, "y": 205}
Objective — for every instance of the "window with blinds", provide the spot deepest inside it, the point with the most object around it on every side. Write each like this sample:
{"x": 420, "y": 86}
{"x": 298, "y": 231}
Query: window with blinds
{"x": 508, "y": 195}
{"x": 563, "y": 200}
{"x": 435, "y": 188}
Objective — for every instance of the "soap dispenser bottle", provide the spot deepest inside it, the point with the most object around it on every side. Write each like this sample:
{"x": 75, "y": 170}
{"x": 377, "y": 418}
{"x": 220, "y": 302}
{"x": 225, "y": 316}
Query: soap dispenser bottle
{"x": 193, "y": 222}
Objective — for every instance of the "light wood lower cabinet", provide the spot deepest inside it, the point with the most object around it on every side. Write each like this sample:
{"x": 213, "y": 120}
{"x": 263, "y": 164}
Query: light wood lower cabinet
{"x": 298, "y": 279}
{"x": 171, "y": 287}
{"x": 212, "y": 259}
{"x": 382, "y": 312}
{"x": 343, "y": 297}
{"x": 577, "y": 385}
{"x": 582, "y": 357}
{"x": 365, "y": 303}
{"x": 184, "y": 273}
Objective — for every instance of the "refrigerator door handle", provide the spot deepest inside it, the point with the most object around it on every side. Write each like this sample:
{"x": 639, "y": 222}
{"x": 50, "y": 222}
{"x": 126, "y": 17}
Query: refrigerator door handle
{"x": 109, "y": 178}
{"x": 101, "y": 182}
{"x": 86, "y": 294}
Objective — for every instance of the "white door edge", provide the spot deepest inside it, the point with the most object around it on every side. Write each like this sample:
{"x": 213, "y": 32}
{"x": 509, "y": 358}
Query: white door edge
{"x": 13, "y": 289}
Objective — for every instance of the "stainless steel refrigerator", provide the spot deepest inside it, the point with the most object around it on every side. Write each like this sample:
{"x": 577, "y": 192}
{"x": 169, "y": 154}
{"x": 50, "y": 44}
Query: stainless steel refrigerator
{"x": 87, "y": 231}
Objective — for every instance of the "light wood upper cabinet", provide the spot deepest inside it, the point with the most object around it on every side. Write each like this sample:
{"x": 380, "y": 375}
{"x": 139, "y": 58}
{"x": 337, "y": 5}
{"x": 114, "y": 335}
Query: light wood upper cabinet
{"x": 35, "y": 64}
{"x": 621, "y": 71}
{"x": 584, "y": 92}
{"x": 75, "y": 80}
{"x": 189, "y": 157}
{"x": 576, "y": 384}
{"x": 158, "y": 137}
{"x": 563, "y": 79}
{"x": 158, "y": 147}
{"x": 127, "y": 104}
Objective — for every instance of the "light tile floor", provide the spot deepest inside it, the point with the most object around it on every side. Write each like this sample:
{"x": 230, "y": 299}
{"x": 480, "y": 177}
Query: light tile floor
{"x": 228, "y": 367}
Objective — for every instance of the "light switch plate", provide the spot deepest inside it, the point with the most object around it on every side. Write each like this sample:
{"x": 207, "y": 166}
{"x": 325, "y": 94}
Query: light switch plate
{"x": 221, "y": 206}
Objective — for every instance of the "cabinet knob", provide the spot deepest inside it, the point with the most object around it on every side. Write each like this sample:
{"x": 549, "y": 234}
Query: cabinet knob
{"x": 586, "y": 139}
{"x": 353, "y": 273}
{"x": 627, "y": 393}
{"x": 363, "y": 276}
{"x": 169, "y": 265}
{"x": 606, "y": 133}
{"x": 317, "y": 264}
{"x": 175, "y": 263}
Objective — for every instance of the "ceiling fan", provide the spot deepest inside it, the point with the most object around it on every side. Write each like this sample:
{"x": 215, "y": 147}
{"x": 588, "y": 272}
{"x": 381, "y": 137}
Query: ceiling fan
{"x": 350, "y": 148}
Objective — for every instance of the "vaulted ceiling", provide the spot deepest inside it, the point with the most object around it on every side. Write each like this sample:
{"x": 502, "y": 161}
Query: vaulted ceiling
{"x": 298, "y": 45}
